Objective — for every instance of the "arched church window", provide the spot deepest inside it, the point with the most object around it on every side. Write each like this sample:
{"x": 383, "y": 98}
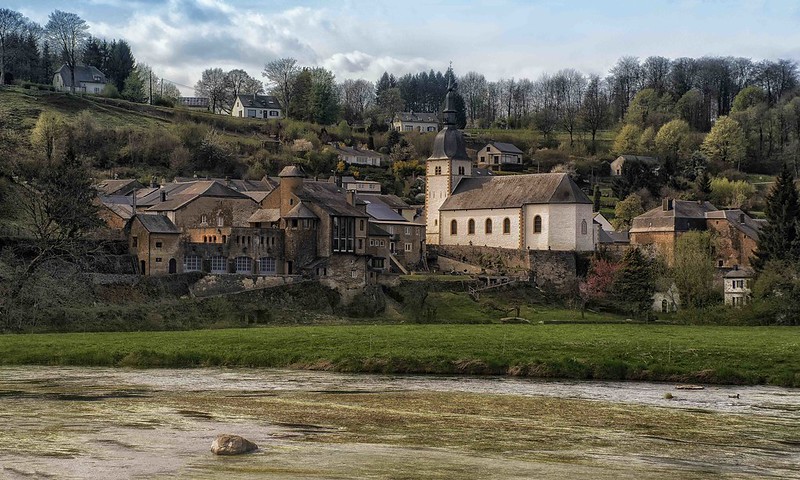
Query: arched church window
{"x": 537, "y": 224}
{"x": 506, "y": 225}
{"x": 488, "y": 226}
{"x": 471, "y": 227}
{"x": 583, "y": 227}
{"x": 453, "y": 227}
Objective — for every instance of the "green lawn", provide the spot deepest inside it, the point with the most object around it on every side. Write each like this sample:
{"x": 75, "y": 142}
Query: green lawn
{"x": 586, "y": 351}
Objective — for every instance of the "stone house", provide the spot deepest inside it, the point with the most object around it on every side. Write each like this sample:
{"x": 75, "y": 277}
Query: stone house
{"x": 499, "y": 156}
{"x": 199, "y": 204}
{"x": 257, "y": 106}
{"x": 156, "y": 242}
{"x": 736, "y": 234}
{"x": 88, "y": 79}
{"x": 415, "y": 122}
{"x": 737, "y": 287}
{"x": 405, "y": 240}
{"x": 619, "y": 162}
{"x": 115, "y": 211}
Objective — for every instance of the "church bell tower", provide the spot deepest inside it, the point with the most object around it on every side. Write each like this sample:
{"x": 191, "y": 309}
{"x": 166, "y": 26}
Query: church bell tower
{"x": 446, "y": 166}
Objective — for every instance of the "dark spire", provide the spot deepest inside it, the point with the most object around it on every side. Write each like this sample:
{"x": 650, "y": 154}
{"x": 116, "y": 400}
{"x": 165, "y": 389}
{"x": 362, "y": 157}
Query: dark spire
{"x": 449, "y": 104}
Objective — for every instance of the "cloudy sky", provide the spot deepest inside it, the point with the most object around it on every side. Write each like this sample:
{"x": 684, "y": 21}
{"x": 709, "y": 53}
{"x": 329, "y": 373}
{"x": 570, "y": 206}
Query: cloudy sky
{"x": 362, "y": 39}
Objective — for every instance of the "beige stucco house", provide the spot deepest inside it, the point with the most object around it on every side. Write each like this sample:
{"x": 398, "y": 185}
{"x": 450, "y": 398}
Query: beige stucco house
{"x": 415, "y": 122}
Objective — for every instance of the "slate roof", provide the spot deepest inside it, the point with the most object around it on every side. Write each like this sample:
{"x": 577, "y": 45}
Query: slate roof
{"x": 158, "y": 224}
{"x": 683, "y": 216}
{"x": 393, "y": 201}
{"x": 606, "y": 237}
{"x": 300, "y": 211}
{"x": 506, "y": 147}
{"x": 374, "y": 230}
{"x": 118, "y": 187}
{"x": 380, "y": 211}
{"x": 235, "y": 183}
{"x": 749, "y": 227}
{"x": 739, "y": 273}
{"x": 514, "y": 191}
{"x": 83, "y": 73}
{"x": 259, "y": 101}
{"x": 330, "y": 198}
{"x": 180, "y": 194}
{"x": 449, "y": 144}
{"x": 265, "y": 215}
{"x": 421, "y": 117}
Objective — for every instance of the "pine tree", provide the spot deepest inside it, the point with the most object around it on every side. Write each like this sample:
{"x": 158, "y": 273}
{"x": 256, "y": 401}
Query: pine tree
{"x": 596, "y": 198}
{"x": 779, "y": 238}
{"x": 704, "y": 184}
{"x": 635, "y": 283}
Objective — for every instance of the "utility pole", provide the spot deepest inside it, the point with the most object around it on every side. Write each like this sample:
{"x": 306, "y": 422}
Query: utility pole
{"x": 151, "y": 86}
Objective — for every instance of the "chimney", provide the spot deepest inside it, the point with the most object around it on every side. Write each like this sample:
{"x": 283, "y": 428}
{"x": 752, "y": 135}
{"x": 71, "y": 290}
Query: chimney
{"x": 133, "y": 202}
{"x": 351, "y": 197}
{"x": 666, "y": 204}
{"x": 163, "y": 195}
{"x": 741, "y": 218}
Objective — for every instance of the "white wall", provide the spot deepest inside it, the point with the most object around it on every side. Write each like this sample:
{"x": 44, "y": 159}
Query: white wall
{"x": 436, "y": 191}
{"x": 561, "y": 227}
{"x": 496, "y": 239}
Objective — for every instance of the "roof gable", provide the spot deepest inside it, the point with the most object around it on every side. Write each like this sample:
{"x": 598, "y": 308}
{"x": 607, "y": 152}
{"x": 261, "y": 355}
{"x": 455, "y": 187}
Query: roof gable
{"x": 157, "y": 224}
{"x": 259, "y": 101}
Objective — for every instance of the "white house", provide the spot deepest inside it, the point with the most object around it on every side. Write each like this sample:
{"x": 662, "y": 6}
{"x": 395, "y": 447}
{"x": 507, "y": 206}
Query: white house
{"x": 88, "y": 79}
{"x": 539, "y": 211}
{"x": 497, "y": 155}
{"x": 415, "y": 122}
{"x": 357, "y": 156}
{"x": 737, "y": 287}
{"x": 360, "y": 186}
{"x": 257, "y": 106}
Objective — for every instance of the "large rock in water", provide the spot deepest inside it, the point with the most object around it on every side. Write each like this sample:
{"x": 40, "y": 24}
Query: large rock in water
{"x": 232, "y": 445}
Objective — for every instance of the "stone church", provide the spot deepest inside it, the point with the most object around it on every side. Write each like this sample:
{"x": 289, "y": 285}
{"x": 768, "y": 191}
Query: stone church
{"x": 527, "y": 212}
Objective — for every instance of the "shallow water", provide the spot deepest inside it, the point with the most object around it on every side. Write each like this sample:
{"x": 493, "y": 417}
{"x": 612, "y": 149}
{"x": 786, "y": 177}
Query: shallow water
{"x": 121, "y": 423}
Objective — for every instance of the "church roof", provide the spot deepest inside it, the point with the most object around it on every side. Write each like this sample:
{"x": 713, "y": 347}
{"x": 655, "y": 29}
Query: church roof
{"x": 514, "y": 191}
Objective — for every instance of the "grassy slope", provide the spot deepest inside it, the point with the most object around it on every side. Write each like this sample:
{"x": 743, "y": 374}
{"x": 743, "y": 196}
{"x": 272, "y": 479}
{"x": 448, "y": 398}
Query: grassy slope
{"x": 636, "y": 352}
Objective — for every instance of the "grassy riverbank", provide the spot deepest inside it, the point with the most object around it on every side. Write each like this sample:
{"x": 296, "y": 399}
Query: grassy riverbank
{"x": 707, "y": 354}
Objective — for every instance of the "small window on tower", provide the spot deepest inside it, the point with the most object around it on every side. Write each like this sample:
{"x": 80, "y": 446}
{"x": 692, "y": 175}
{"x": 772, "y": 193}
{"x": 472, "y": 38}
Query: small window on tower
{"x": 437, "y": 171}
{"x": 461, "y": 170}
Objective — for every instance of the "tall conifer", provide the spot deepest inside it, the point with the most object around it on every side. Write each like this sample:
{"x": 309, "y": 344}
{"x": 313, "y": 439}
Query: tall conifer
{"x": 778, "y": 239}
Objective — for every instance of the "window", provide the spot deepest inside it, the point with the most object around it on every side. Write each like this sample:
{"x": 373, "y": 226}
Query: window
{"x": 158, "y": 259}
{"x": 360, "y": 243}
{"x": 453, "y": 228}
{"x": 220, "y": 221}
{"x": 437, "y": 170}
{"x": 408, "y": 230}
{"x": 537, "y": 224}
{"x": 408, "y": 128}
{"x": 244, "y": 265}
{"x": 431, "y": 129}
{"x": 408, "y": 247}
{"x": 192, "y": 263}
{"x": 471, "y": 227}
{"x": 377, "y": 263}
{"x": 273, "y": 113}
{"x": 383, "y": 243}
{"x": 219, "y": 264}
{"x": 343, "y": 232}
{"x": 583, "y": 227}
{"x": 205, "y": 239}
{"x": 371, "y": 242}
{"x": 134, "y": 242}
{"x": 488, "y": 226}
{"x": 159, "y": 244}
{"x": 251, "y": 113}
{"x": 461, "y": 170}
{"x": 720, "y": 263}
{"x": 266, "y": 266}
{"x": 204, "y": 220}
{"x": 361, "y": 225}
{"x": 506, "y": 225}
{"x": 224, "y": 239}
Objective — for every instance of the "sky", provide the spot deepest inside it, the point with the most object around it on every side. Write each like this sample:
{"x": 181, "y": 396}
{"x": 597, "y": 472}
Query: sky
{"x": 362, "y": 39}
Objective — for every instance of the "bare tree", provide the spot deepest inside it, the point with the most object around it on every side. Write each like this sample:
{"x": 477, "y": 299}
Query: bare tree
{"x": 240, "y": 83}
{"x": 625, "y": 81}
{"x": 596, "y": 108}
{"x": 68, "y": 31}
{"x": 356, "y": 96}
{"x": 213, "y": 84}
{"x": 280, "y": 74}
{"x": 570, "y": 86}
{"x": 11, "y": 24}
{"x": 473, "y": 88}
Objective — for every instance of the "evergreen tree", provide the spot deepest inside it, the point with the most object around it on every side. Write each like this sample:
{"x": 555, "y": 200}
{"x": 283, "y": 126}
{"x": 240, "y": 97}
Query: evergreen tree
{"x": 704, "y": 185}
{"x": 134, "y": 88}
{"x": 120, "y": 63}
{"x": 301, "y": 87}
{"x": 635, "y": 283}
{"x": 596, "y": 198}
{"x": 779, "y": 238}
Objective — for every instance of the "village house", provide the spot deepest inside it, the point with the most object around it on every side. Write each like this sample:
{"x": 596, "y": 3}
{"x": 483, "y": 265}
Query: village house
{"x": 500, "y": 156}
{"x": 405, "y": 237}
{"x": 88, "y": 79}
{"x": 359, "y": 186}
{"x": 156, "y": 243}
{"x": 257, "y": 106}
{"x": 415, "y": 122}
{"x": 736, "y": 233}
{"x": 528, "y": 212}
{"x": 619, "y": 162}
{"x": 357, "y": 156}
{"x": 737, "y": 287}
{"x": 195, "y": 103}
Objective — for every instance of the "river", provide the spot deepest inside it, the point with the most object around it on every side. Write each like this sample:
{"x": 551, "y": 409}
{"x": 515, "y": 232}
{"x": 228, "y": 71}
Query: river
{"x": 119, "y": 423}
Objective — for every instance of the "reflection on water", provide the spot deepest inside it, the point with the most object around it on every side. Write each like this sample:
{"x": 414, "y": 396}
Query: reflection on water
{"x": 120, "y": 423}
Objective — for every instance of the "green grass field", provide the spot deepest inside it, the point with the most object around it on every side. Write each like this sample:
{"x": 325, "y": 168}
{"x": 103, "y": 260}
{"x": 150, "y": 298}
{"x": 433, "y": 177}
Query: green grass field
{"x": 746, "y": 355}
